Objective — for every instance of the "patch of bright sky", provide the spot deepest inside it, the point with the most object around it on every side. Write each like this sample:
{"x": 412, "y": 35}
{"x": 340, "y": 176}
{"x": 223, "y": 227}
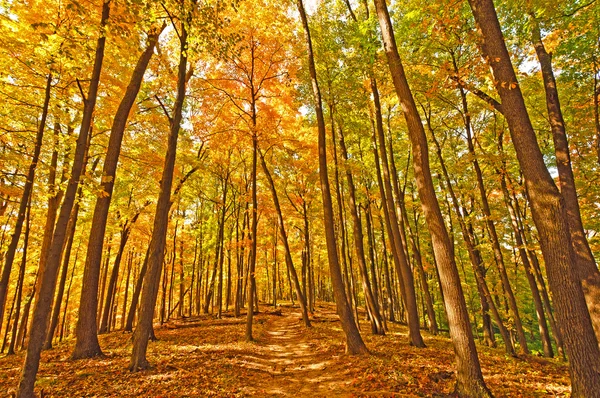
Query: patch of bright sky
{"x": 311, "y": 6}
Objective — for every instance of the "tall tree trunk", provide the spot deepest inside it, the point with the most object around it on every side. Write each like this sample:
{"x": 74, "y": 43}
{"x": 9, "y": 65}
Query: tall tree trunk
{"x": 341, "y": 216}
{"x": 403, "y": 221}
{"x": 388, "y": 228}
{"x": 537, "y": 299}
{"x": 218, "y": 248}
{"x": 110, "y": 293}
{"x": 86, "y": 345}
{"x": 491, "y": 228}
{"x": 63, "y": 276}
{"x": 474, "y": 253}
{"x": 124, "y": 311}
{"x": 53, "y": 201}
{"x": 41, "y": 312}
{"x": 374, "y": 314}
{"x": 253, "y": 228}
{"x": 354, "y": 342}
{"x": 548, "y": 210}
{"x": 469, "y": 380}
{"x": 9, "y": 257}
{"x": 144, "y": 328}
{"x": 284, "y": 238}
{"x": 135, "y": 297}
{"x": 19, "y": 286}
{"x": 181, "y": 280}
{"x": 585, "y": 265}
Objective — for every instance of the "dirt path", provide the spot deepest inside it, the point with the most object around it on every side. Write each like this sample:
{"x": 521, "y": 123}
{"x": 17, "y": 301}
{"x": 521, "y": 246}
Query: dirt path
{"x": 291, "y": 366}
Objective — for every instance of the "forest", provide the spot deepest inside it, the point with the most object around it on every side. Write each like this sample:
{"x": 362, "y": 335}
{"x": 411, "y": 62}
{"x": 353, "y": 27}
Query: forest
{"x": 299, "y": 198}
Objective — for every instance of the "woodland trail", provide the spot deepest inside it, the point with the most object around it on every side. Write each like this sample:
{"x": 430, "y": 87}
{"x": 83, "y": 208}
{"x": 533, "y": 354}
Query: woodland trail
{"x": 292, "y": 365}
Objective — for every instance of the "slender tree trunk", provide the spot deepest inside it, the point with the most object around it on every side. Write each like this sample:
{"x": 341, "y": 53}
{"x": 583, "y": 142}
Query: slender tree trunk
{"x": 181, "y": 280}
{"x": 491, "y": 228}
{"x": 375, "y": 316}
{"x": 19, "y": 286}
{"x": 86, "y": 345}
{"x": 63, "y": 276}
{"x": 388, "y": 228}
{"x": 548, "y": 210}
{"x": 474, "y": 254}
{"x": 585, "y": 265}
{"x": 9, "y": 257}
{"x": 144, "y": 328}
{"x": 405, "y": 275}
{"x": 135, "y": 297}
{"x": 253, "y": 228}
{"x": 536, "y": 266}
{"x": 469, "y": 380}
{"x": 104, "y": 276}
{"x": 218, "y": 248}
{"x": 354, "y": 342}
{"x": 284, "y": 238}
{"x": 66, "y": 306}
{"x": 108, "y": 304}
{"x": 41, "y": 312}
{"x": 53, "y": 201}
{"x": 124, "y": 311}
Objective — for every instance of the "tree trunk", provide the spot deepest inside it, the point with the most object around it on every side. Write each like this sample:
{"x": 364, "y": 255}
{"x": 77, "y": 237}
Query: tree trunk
{"x": 585, "y": 265}
{"x": 375, "y": 316}
{"x": 548, "y": 211}
{"x": 41, "y": 312}
{"x": 135, "y": 297}
{"x": 491, "y": 228}
{"x": 108, "y": 304}
{"x": 253, "y": 228}
{"x": 284, "y": 238}
{"x": 86, "y": 345}
{"x": 354, "y": 342}
{"x": 124, "y": 311}
{"x": 55, "y": 196}
{"x": 474, "y": 253}
{"x": 27, "y": 189}
{"x": 144, "y": 328}
{"x": 63, "y": 276}
{"x": 19, "y": 286}
{"x": 469, "y": 378}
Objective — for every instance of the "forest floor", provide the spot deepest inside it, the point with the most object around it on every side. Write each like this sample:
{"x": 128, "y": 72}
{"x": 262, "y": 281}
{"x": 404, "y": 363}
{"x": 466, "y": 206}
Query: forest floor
{"x": 203, "y": 356}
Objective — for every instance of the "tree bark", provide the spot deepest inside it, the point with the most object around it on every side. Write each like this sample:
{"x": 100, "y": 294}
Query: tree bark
{"x": 354, "y": 342}
{"x": 284, "y": 238}
{"x": 63, "y": 276}
{"x": 41, "y": 312}
{"x": 86, "y": 345}
{"x": 469, "y": 380}
{"x": 9, "y": 257}
{"x": 585, "y": 265}
{"x": 144, "y": 328}
{"x": 375, "y": 316}
{"x": 19, "y": 286}
{"x": 548, "y": 210}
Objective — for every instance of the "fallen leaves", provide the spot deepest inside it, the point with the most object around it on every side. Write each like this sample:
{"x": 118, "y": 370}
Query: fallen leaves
{"x": 204, "y": 356}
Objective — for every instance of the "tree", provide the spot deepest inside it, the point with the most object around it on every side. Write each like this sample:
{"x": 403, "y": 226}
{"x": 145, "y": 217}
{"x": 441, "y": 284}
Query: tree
{"x": 548, "y": 210}
{"x": 87, "y": 345}
{"x": 469, "y": 380}
{"x": 41, "y": 312}
{"x": 354, "y": 342}
{"x": 142, "y": 332}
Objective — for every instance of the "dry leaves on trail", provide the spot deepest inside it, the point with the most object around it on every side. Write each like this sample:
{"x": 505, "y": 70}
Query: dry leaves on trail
{"x": 203, "y": 356}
